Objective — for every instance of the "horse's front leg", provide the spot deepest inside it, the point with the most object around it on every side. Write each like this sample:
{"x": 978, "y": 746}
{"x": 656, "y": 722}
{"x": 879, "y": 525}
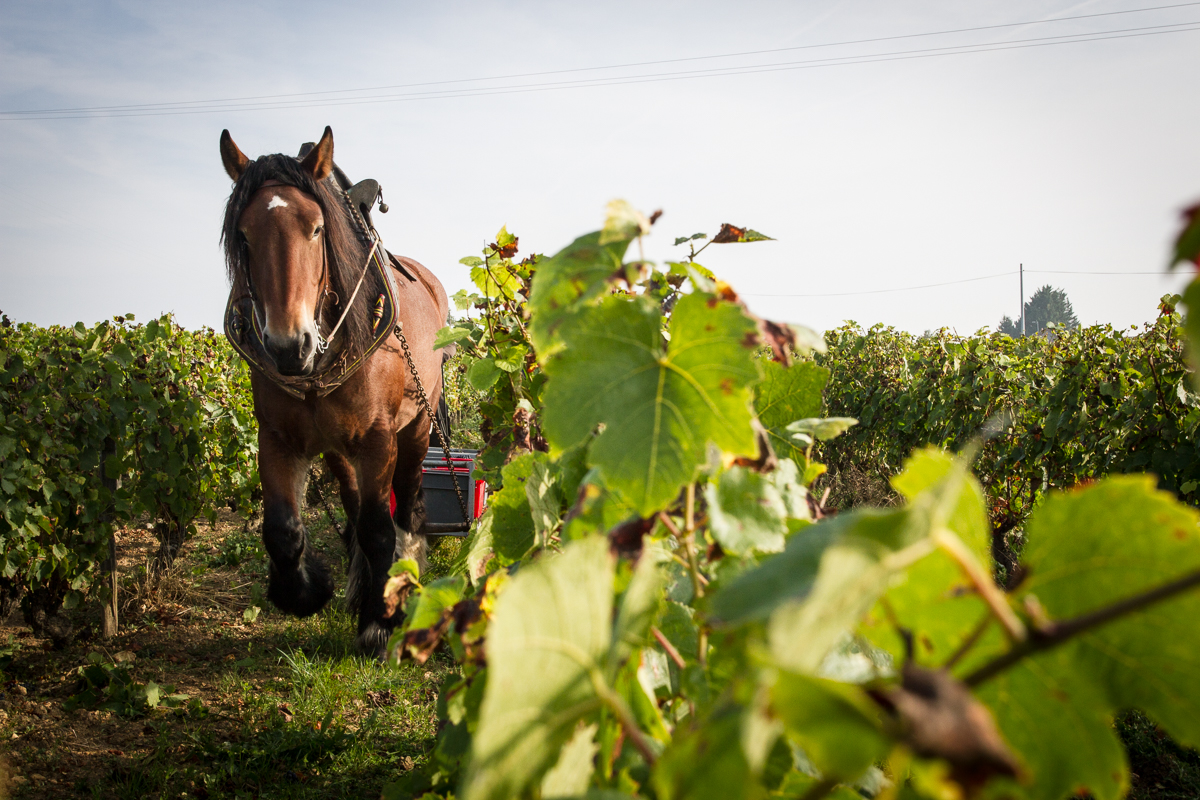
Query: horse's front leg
{"x": 343, "y": 472}
{"x": 412, "y": 443}
{"x": 299, "y": 578}
{"x": 376, "y": 535}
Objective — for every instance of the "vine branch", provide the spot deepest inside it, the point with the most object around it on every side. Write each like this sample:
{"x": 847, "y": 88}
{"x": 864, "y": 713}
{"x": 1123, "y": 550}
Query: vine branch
{"x": 1058, "y": 633}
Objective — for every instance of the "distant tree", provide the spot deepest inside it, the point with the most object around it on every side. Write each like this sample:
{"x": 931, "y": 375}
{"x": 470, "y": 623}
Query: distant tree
{"x": 1048, "y": 305}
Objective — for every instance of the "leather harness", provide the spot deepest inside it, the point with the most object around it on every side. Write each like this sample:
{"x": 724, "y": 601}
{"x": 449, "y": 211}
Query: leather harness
{"x": 245, "y": 332}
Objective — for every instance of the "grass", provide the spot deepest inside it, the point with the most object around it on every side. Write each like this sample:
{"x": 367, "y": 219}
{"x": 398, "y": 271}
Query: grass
{"x": 277, "y": 707}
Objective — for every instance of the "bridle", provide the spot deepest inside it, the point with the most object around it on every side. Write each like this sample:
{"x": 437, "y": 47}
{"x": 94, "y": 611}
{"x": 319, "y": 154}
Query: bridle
{"x": 322, "y": 343}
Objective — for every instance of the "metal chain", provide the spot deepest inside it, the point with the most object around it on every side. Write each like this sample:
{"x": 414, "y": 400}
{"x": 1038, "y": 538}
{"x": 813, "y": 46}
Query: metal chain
{"x": 412, "y": 367}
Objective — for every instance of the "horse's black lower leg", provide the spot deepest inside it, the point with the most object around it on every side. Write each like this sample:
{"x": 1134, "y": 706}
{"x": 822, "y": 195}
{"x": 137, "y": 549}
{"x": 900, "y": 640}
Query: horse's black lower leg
{"x": 299, "y": 578}
{"x": 377, "y": 545}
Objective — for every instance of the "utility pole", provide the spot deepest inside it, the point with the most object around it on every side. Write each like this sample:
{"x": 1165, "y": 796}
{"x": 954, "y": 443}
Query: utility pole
{"x": 1022, "y": 300}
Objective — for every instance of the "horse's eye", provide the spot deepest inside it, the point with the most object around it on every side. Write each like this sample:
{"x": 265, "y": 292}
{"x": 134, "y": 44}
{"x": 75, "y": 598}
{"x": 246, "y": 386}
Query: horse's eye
{"x": 317, "y": 231}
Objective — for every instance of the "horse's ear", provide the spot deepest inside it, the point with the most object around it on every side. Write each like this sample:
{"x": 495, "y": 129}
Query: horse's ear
{"x": 235, "y": 160}
{"x": 319, "y": 161}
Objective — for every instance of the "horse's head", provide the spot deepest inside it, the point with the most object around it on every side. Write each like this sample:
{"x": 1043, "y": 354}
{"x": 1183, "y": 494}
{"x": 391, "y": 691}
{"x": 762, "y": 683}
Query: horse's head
{"x": 286, "y": 259}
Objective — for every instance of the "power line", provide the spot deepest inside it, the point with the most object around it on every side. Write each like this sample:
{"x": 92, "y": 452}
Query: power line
{"x": 950, "y": 283}
{"x": 245, "y": 104}
{"x": 1089, "y": 272}
{"x": 885, "y": 291}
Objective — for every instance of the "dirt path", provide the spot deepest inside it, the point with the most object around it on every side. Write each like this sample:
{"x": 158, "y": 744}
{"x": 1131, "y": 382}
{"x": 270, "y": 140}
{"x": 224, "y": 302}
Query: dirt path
{"x": 275, "y": 707}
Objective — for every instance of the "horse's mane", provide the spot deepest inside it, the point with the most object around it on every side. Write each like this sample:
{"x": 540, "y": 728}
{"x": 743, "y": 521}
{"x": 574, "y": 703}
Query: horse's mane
{"x": 347, "y": 244}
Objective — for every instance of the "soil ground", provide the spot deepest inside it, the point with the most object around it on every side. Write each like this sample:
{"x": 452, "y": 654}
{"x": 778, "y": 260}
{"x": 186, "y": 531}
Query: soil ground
{"x": 276, "y": 707}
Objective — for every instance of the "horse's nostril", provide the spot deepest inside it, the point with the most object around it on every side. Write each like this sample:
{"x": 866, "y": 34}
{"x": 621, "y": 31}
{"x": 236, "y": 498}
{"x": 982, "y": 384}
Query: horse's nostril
{"x": 306, "y": 348}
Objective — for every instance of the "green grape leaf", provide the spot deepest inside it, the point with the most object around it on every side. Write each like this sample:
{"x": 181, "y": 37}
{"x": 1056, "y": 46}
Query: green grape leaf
{"x": 512, "y": 526}
{"x": 922, "y": 471}
{"x": 553, "y": 621}
{"x": 504, "y": 238}
{"x": 482, "y": 374}
{"x": 660, "y": 407}
{"x": 785, "y": 395}
{"x": 568, "y": 281}
{"x": 572, "y": 773}
{"x": 478, "y": 547}
{"x": 1088, "y": 549}
{"x": 820, "y": 428}
{"x": 545, "y": 505}
{"x": 706, "y": 762}
{"x": 836, "y": 724}
{"x": 427, "y": 604}
{"x": 788, "y": 576}
{"x": 869, "y": 551}
{"x": 746, "y": 512}
{"x": 496, "y": 280}
{"x": 789, "y": 483}
{"x": 639, "y": 606}
{"x": 512, "y": 359}
{"x": 1191, "y": 326}
{"x": 448, "y": 335}
{"x": 623, "y": 223}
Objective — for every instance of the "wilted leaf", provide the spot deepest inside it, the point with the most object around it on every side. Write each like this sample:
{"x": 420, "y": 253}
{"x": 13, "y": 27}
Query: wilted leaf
{"x": 1187, "y": 244}
{"x": 730, "y": 234}
{"x": 660, "y": 406}
{"x": 939, "y": 718}
{"x": 505, "y": 244}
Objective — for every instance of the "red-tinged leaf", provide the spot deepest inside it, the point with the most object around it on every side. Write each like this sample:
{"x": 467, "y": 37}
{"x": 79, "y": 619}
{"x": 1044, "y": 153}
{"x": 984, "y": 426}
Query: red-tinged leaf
{"x": 422, "y": 642}
{"x": 781, "y": 338}
{"x": 396, "y": 591}
{"x": 729, "y": 234}
{"x": 506, "y": 250}
{"x": 1187, "y": 245}
{"x": 626, "y": 538}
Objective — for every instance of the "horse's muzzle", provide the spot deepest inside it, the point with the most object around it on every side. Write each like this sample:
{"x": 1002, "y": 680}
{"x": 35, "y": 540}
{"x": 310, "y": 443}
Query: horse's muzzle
{"x": 293, "y": 355}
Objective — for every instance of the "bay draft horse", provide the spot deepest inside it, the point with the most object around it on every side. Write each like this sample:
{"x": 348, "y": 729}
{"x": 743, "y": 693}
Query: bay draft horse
{"x": 295, "y": 248}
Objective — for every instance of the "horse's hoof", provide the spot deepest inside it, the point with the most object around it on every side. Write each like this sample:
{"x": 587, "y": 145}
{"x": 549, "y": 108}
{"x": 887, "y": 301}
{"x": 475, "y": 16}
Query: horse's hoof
{"x": 372, "y": 641}
{"x": 301, "y": 592}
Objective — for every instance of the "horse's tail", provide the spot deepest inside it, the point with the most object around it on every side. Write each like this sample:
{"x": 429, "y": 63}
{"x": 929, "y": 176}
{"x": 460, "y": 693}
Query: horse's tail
{"x": 442, "y": 413}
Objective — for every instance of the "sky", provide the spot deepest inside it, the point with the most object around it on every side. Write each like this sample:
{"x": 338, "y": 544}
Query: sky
{"x": 877, "y": 165}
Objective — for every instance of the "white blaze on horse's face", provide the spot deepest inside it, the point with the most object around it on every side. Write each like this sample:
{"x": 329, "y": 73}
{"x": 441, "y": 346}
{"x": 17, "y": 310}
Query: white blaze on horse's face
{"x": 283, "y": 227}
